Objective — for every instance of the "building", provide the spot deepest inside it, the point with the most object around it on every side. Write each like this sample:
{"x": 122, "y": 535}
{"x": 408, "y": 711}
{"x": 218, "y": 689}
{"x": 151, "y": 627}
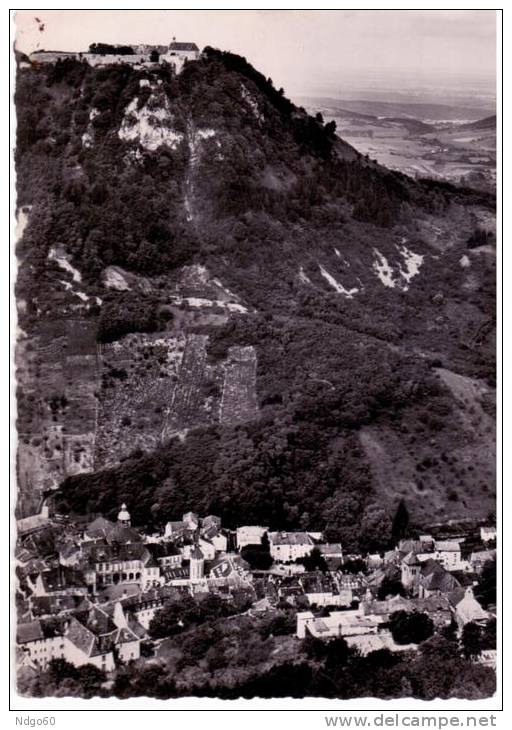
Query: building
{"x": 410, "y": 570}
{"x": 437, "y": 607}
{"x": 191, "y": 521}
{"x": 332, "y": 554}
{"x": 488, "y": 534}
{"x": 478, "y": 559}
{"x": 105, "y": 564}
{"x": 337, "y": 623}
{"x": 448, "y": 553}
{"x": 58, "y": 581}
{"x": 365, "y": 633}
{"x": 40, "y": 642}
{"x": 124, "y": 516}
{"x": 111, "y": 532}
{"x": 86, "y": 637}
{"x": 466, "y": 608}
{"x": 42, "y": 56}
{"x": 196, "y": 564}
{"x": 285, "y": 547}
{"x": 434, "y": 580}
{"x": 249, "y": 535}
{"x": 184, "y": 51}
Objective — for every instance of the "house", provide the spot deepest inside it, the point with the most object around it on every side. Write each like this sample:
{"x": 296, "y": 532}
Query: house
{"x": 191, "y": 521}
{"x": 434, "y": 580}
{"x": 166, "y": 554}
{"x": 249, "y": 535}
{"x": 57, "y": 581}
{"x": 210, "y": 530}
{"x": 143, "y": 606}
{"x": 112, "y": 532}
{"x": 332, "y": 554}
{"x": 437, "y": 607}
{"x": 478, "y": 559}
{"x": 92, "y": 637}
{"x": 210, "y": 521}
{"x": 176, "y": 529}
{"x": 466, "y": 608}
{"x": 337, "y": 623}
{"x": 487, "y": 534}
{"x": 207, "y": 548}
{"x": 184, "y": 51}
{"x": 39, "y": 642}
{"x": 448, "y": 553}
{"x": 366, "y": 643}
{"x": 55, "y": 605}
{"x": 285, "y": 547}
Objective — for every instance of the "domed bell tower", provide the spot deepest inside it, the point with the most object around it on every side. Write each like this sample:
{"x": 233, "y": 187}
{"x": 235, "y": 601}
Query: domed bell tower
{"x": 124, "y": 516}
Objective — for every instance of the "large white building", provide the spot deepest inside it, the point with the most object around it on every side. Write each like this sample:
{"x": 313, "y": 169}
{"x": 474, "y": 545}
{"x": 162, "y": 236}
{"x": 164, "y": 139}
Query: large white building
{"x": 285, "y": 547}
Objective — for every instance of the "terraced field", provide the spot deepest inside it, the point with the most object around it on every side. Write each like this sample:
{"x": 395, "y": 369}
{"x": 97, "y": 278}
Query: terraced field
{"x": 195, "y": 398}
{"x": 239, "y": 401}
{"x": 138, "y": 379}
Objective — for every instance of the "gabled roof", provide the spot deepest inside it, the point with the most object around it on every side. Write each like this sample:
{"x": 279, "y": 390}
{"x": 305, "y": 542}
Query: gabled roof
{"x": 290, "y": 538}
{"x": 178, "y": 46}
{"x": 31, "y": 631}
{"x": 330, "y": 548}
{"x": 447, "y": 546}
{"x": 411, "y": 559}
{"x": 61, "y": 578}
{"x": 435, "y": 578}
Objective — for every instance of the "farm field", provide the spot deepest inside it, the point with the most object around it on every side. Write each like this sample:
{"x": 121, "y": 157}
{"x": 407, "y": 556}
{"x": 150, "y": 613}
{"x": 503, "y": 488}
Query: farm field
{"x": 459, "y": 150}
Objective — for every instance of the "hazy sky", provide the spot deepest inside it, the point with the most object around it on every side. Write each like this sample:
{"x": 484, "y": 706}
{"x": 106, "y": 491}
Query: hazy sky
{"x": 305, "y": 51}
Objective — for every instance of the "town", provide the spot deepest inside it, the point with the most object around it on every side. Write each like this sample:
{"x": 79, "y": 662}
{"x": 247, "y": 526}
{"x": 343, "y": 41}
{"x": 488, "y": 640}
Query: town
{"x": 93, "y": 592}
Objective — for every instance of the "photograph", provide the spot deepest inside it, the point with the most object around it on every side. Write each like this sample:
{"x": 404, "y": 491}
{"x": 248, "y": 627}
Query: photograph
{"x": 254, "y": 335}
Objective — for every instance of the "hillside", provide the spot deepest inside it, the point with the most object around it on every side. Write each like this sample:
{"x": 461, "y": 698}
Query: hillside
{"x": 487, "y": 123}
{"x": 226, "y": 308}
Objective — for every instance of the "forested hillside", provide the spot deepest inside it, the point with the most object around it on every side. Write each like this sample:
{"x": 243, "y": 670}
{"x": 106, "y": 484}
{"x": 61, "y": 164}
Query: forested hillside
{"x": 226, "y": 308}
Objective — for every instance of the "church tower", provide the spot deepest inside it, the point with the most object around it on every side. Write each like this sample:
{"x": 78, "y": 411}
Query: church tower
{"x": 196, "y": 564}
{"x": 124, "y": 516}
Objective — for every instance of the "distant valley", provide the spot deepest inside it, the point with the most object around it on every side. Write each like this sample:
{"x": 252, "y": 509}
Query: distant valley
{"x": 449, "y": 142}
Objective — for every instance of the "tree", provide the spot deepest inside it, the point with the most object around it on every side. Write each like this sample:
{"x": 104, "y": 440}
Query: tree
{"x": 489, "y": 635}
{"x": 390, "y": 587}
{"x": 375, "y": 528}
{"x": 485, "y": 593}
{"x": 471, "y": 640}
{"x": 154, "y": 56}
{"x": 410, "y": 628}
{"x": 400, "y": 522}
{"x": 258, "y": 556}
{"x": 315, "y": 560}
